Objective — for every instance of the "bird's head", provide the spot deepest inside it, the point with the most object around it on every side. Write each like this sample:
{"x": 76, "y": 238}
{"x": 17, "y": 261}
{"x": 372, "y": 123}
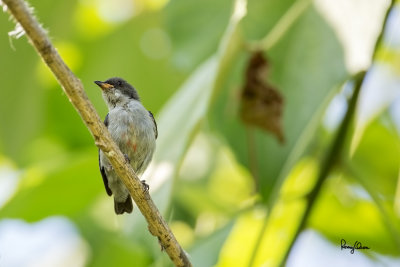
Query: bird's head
{"x": 116, "y": 91}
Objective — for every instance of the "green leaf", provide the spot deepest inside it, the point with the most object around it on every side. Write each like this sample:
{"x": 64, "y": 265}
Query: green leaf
{"x": 179, "y": 119}
{"x": 112, "y": 248}
{"x": 64, "y": 186}
{"x": 206, "y": 252}
{"x": 296, "y": 71}
{"x": 184, "y": 112}
{"x": 257, "y": 24}
{"x": 240, "y": 243}
{"x": 380, "y": 89}
{"x": 381, "y": 173}
{"x": 345, "y": 211}
{"x": 197, "y": 36}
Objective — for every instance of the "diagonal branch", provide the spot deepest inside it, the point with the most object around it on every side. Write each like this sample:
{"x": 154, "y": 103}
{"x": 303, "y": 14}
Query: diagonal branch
{"x": 335, "y": 150}
{"x": 329, "y": 162}
{"x": 73, "y": 88}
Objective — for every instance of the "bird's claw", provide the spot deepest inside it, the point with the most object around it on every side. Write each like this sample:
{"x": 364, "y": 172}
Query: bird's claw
{"x": 127, "y": 159}
{"x": 161, "y": 245}
{"x": 145, "y": 186}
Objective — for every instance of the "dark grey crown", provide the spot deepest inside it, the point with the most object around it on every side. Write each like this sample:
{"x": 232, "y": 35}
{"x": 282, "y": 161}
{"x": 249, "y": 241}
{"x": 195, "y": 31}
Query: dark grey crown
{"x": 124, "y": 87}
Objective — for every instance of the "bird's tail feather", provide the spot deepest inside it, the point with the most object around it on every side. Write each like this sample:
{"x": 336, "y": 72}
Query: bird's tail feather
{"x": 121, "y": 207}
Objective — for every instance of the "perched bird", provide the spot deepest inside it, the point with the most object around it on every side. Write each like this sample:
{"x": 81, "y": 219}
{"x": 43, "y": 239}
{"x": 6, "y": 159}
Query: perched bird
{"x": 134, "y": 130}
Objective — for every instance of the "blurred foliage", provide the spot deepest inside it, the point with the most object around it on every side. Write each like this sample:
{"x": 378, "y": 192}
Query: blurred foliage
{"x": 231, "y": 193}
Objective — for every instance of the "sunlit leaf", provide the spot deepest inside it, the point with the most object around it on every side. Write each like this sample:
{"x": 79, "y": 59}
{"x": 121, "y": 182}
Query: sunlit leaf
{"x": 239, "y": 246}
{"x": 345, "y": 211}
{"x": 381, "y": 173}
{"x": 381, "y": 87}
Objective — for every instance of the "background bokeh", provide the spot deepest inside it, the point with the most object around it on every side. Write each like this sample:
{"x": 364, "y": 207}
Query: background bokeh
{"x": 232, "y": 194}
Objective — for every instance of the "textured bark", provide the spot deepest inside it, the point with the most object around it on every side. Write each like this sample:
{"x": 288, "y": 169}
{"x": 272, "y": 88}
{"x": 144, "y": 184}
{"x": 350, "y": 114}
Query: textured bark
{"x": 73, "y": 88}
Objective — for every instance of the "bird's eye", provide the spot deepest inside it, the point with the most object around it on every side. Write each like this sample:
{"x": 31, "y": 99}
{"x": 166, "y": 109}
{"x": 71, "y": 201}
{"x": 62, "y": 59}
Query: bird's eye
{"x": 119, "y": 83}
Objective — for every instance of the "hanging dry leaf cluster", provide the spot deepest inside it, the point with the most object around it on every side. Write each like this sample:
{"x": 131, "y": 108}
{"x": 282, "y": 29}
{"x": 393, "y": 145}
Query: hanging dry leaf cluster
{"x": 262, "y": 104}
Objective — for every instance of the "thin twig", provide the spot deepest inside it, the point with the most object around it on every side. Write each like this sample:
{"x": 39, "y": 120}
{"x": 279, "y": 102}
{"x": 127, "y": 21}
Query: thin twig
{"x": 73, "y": 88}
{"x": 252, "y": 157}
{"x": 281, "y": 27}
{"x": 332, "y": 157}
{"x": 333, "y": 154}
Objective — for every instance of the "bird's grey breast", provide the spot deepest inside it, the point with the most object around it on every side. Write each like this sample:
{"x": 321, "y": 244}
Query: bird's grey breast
{"x": 131, "y": 127}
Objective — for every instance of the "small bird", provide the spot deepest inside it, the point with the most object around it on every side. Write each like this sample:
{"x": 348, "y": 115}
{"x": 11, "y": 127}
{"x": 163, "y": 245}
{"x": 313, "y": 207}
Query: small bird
{"x": 134, "y": 130}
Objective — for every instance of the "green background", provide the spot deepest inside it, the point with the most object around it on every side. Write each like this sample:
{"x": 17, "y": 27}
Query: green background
{"x": 187, "y": 60}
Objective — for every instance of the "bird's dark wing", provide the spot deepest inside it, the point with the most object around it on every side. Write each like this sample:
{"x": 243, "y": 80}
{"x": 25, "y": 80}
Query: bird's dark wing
{"x": 155, "y": 124}
{"x": 104, "y": 175}
{"x": 106, "y": 120}
{"x": 102, "y": 170}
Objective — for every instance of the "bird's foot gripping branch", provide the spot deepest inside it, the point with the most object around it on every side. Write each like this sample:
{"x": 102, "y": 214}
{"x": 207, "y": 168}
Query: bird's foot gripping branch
{"x": 73, "y": 88}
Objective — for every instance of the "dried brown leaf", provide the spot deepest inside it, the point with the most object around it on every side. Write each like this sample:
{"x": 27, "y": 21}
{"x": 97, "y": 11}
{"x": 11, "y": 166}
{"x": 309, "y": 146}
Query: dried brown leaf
{"x": 262, "y": 104}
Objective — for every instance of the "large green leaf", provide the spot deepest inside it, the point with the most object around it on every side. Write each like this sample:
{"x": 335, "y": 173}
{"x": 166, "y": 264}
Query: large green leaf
{"x": 184, "y": 112}
{"x": 179, "y": 119}
{"x": 21, "y": 107}
{"x": 257, "y": 24}
{"x": 112, "y": 248}
{"x": 206, "y": 252}
{"x": 306, "y": 66}
{"x": 200, "y": 26}
{"x": 380, "y": 89}
{"x": 64, "y": 185}
{"x": 346, "y": 211}
{"x": 381, "y": 173}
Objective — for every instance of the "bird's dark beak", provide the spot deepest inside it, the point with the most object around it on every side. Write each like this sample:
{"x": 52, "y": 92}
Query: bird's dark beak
{"x": 103, "y": 85}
